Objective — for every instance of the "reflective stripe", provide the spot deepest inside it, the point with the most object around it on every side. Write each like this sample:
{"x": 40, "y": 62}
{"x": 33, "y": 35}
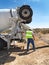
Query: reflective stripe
{"x": 29, "y": 34}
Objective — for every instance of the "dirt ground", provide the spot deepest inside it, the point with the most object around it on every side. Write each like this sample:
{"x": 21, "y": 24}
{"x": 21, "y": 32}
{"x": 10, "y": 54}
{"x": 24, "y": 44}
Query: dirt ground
{"x": 18, "y": 55}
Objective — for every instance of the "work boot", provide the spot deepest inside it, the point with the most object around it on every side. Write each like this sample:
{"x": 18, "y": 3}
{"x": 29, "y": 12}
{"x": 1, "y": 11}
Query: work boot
{"x": 33, "y": 49}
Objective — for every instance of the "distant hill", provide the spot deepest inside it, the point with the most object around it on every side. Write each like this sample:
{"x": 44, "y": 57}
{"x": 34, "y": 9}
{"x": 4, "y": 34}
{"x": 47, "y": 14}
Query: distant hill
{"x": 42, "y": 30}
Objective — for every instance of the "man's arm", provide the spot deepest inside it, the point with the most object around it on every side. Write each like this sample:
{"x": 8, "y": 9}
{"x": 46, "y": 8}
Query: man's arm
{"x": 33, "y": 36}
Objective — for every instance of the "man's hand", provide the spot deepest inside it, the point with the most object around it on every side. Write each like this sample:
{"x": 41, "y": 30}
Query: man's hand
{"x": 33, "y": 37}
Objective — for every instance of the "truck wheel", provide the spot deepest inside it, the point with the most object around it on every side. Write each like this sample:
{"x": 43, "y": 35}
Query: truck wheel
{"x": 25, "y": 12}
{"x": 3, "y": 43}
{"x": 27, "y": 21}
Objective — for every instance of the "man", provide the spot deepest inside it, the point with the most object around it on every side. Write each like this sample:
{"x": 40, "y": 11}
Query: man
{"x": 30, "y": 39}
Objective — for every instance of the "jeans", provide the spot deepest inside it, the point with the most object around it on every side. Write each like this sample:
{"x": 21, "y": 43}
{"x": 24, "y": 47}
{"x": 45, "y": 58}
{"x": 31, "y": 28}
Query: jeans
{"x": 30, "y": 40}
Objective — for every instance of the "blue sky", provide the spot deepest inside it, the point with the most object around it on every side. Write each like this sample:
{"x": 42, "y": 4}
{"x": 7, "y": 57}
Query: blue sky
{"x": 40, "y": 9}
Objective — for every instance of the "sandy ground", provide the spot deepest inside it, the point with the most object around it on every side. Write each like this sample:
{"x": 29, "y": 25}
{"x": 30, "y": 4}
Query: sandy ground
{"x": 18, "y": 55}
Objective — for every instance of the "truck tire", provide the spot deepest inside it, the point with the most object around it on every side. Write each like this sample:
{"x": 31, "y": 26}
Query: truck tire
{"x": 25, "y": 12}
{"x": 27, "y": 21}
{"x": 3, "y": 43}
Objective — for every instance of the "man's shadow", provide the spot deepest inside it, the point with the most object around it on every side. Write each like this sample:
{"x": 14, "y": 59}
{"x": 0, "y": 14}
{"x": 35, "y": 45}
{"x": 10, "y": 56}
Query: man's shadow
{"x": 26, "y": 53}
{"x": 42, "y": 47}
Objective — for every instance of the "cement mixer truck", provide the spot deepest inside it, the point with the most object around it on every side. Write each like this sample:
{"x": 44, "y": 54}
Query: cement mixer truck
{"x": 15, "y": 21}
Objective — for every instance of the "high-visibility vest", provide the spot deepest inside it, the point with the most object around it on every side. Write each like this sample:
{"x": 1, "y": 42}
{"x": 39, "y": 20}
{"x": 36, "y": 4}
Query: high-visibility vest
{"x": 29, "y": 34}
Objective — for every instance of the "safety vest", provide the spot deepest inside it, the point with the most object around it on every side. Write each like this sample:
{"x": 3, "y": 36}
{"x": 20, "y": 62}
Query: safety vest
{"x": 29, "y": 34}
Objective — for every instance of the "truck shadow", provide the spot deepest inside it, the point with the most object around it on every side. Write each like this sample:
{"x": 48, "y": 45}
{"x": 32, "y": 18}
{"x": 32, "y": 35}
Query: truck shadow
{"x": 5, "y": 55}
{"x": 6, "y": 58}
